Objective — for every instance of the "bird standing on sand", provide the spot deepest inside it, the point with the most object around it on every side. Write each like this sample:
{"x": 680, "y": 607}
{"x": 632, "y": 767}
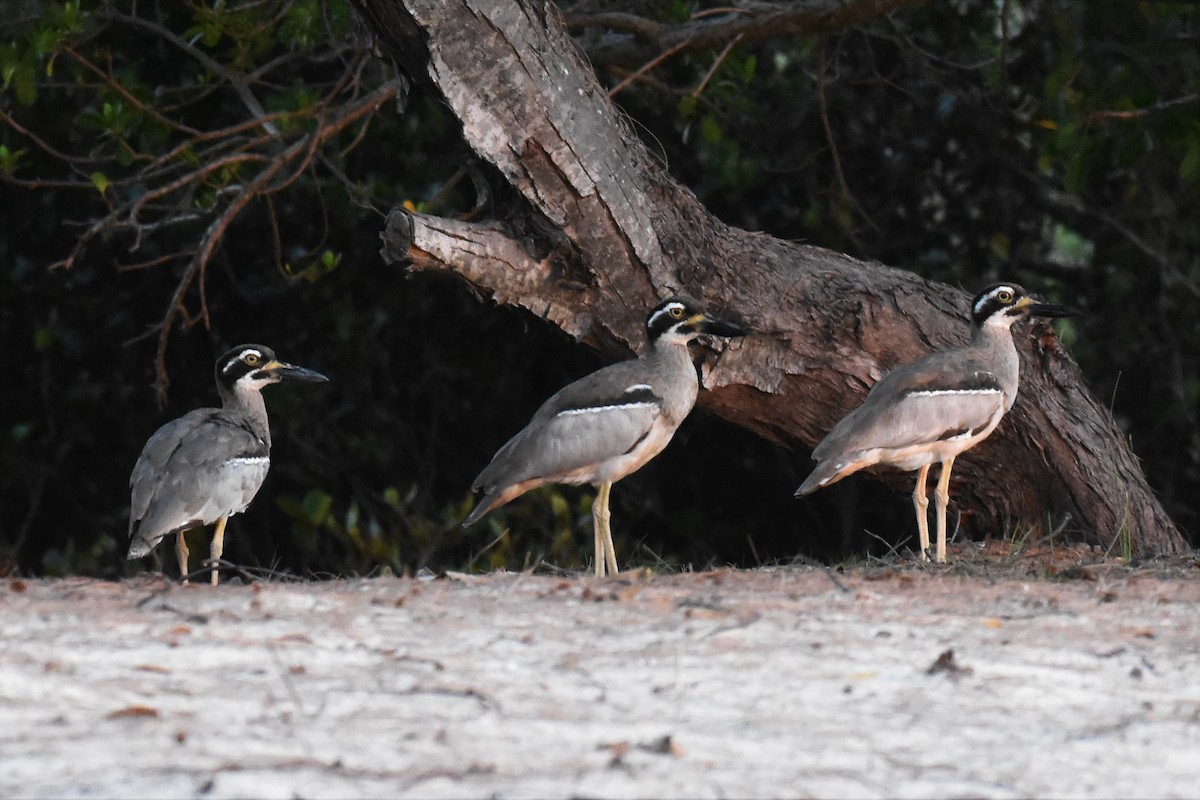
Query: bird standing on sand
{"x": 608, "y": 424}
{"x": 207, "y": 465}
{"x": 935, "y": 408}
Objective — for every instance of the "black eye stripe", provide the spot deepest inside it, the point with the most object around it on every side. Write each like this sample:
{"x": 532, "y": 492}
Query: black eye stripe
{"x": 674, "y": 310}
{"x": 1004, "y": 295}
{"x": 249, "y": 358}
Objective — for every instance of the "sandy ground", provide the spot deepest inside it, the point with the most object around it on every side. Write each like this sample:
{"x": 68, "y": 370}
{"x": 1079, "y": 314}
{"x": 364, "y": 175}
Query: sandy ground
{"x": 1050, "y": 678}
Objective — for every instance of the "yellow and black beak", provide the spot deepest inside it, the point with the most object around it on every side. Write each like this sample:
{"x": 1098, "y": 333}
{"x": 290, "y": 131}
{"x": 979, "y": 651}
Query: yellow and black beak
{"x": 703, "y": 323}
{"x": 1031, "y": 307}
{"x": 283, "y": 371}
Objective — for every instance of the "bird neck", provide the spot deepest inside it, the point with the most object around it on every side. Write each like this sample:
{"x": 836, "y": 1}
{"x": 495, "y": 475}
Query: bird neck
{"x": 248, "y": 403}
{"x": 994, "y": 341}
{"x": 676, "y": 382}
{"x": 671, "y": 348}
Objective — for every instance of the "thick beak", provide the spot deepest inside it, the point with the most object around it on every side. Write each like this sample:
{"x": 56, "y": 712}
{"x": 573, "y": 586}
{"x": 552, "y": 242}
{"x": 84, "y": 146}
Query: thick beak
{"x": 282, "y": 371}
{"x": 718, "y": 327}
{"x": 1035, "y": 309}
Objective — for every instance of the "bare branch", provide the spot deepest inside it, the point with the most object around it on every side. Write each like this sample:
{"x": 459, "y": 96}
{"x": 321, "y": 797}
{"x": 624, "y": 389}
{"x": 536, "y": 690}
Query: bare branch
{"x": 752, "y": 20}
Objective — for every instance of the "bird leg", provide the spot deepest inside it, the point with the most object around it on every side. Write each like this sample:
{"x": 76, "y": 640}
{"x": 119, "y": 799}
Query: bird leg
{"x": 597, "y": 537}
{"x": 921, "y": 504}
{"x": 599, "y": 507}
{"x": 218, "y": 547}
{"x": 181, "y": 552}
{"x": 943, "y": 499}
{"x": 606, "y": 554}
{"x": 610, "y": 552}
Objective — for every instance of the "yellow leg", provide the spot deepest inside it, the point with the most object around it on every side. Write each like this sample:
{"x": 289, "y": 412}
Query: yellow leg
{"x": 597, "y": 536}
{"x": 181, "y": 552}
{"x": 606, "y": 554}
{"x": 218, "y": 547}
{"x": 943, "y": 499}
{"x": 921, "y": 504}
{"x": 610, "y": 552}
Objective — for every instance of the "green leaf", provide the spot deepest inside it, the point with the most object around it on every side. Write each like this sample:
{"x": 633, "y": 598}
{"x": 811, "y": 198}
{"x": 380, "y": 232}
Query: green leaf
{"x": 25, "y": 82}
{"x": 43, "y": 338}
{"x": 316, "y": 506}
{"x": 10, "y": 159}
{"x": 391, "y": 496}
{"x": 1071, "y": 247}
{"x": 124, "y": 155}
{"x": 1189, "y": 165}
{"x": 710, "y": 130}
{"x": 1078, "y": 169}
{"x": 749, "y": 67}
{"x": 100, "y": 181}
{"x": 90, "y": 120}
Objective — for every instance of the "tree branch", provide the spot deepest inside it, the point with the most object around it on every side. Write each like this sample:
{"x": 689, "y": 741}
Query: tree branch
{"x": 749, "y": 20}
{"x": 623, "y": 234}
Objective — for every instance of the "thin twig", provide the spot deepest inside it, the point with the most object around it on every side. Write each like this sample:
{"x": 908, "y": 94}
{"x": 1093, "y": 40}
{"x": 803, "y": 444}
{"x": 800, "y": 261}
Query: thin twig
{"x": 716, "y": 63}
{"x": 649, "y": 65}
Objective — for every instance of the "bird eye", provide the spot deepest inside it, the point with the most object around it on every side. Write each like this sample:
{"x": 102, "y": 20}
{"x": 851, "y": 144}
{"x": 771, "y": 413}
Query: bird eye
{"x": 677, "y": 311}
{"x": 1005, "y": 296}
{"x": 251, "y": 359}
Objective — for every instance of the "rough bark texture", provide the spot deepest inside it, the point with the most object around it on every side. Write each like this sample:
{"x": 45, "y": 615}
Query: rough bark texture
{"x": 602, "y": 231}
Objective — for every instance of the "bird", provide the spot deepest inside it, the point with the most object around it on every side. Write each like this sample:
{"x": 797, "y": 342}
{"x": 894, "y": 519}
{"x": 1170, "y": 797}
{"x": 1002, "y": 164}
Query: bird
{"x": 208, "y": 465}
{"x": 936, "y": 407}
{"x": 608, "y": 424}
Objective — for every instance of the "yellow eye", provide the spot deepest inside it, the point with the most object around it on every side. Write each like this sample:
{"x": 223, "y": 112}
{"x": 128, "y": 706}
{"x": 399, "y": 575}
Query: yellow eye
{"x": 251, "y": 359}
{"x": 1004, "y": 296}
{"x": 677, "y": 311}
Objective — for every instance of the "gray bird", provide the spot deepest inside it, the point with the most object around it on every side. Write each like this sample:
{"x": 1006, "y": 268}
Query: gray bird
{"x": 935, "y": 408}
{"x": 608, "y": 424}
{"x": 207, "y": 465}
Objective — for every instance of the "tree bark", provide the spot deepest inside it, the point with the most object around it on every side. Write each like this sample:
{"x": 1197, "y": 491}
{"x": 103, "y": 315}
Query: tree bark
{"x": 600, "y": 232}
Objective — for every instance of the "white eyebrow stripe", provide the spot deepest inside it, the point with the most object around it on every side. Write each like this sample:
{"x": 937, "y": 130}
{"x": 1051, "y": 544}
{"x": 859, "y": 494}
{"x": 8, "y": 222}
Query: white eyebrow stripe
{"x": 242, "y": 358}
{"x": 601, "y": 409}
{"x": 664, "y": 310}
{"x": 948, "y": 392}
{"x": 637, "y": 387}
{"x": 983, "y": 300}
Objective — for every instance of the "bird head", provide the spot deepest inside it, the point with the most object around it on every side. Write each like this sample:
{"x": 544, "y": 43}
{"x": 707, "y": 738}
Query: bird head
{"x": 1005, "y": 303}
{"x": 253, "y": 366}
{"x": 682, "y": 318}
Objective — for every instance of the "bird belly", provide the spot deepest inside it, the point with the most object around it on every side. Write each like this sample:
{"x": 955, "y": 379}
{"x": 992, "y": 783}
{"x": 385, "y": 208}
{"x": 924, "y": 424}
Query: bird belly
{"x": 919, "y": 455}
{"x": 613, "y": 469}
{"x": 241, "y": 480}
{"x": 197, "y": 500}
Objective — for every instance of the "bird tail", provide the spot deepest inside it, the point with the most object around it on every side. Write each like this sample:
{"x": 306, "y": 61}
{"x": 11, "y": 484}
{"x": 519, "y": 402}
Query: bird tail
{"x": 141, "y": 544}
{"x": 485, "y": 504}
{"x": 139, "y": 548}
{"x": 825, "y": 473}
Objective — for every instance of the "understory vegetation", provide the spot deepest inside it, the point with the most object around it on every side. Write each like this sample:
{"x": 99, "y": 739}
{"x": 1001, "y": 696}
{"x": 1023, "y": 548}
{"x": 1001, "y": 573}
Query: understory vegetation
{"x": 178, "y": 178}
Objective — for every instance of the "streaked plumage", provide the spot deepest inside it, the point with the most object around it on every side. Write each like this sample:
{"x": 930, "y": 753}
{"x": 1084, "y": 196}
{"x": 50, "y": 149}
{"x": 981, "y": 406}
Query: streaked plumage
{"x": 608, "y": 424}
{"x": 207, "y": 465}
{"x": 931, "y": 410}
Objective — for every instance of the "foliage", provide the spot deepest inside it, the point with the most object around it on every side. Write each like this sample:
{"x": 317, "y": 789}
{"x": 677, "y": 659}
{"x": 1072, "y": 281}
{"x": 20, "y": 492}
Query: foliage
{"x": 183, "y": 177}
{"x": 1055, "y": 143}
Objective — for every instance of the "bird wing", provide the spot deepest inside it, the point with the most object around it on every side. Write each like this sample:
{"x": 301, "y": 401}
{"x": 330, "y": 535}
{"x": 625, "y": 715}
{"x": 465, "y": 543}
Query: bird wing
{"x": 193, "y": 471}
{"x": 600, "y": 416}
{"x": 920, "y": 403}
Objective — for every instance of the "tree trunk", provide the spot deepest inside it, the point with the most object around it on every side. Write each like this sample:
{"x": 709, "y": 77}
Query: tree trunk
{"x": 600, "y": 232}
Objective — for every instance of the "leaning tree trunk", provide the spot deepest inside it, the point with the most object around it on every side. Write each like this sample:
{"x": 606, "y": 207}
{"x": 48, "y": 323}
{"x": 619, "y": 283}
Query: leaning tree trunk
{"x": 600, "y": 232}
